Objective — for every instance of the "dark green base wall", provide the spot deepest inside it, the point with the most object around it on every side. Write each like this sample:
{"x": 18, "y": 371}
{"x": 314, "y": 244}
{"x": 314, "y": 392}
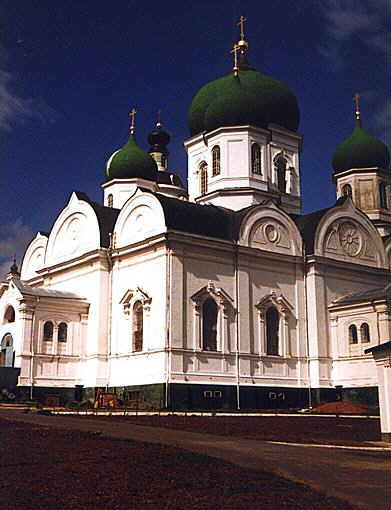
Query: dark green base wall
{"x": 9, "y": 378}
{"x": 209, "y": 397}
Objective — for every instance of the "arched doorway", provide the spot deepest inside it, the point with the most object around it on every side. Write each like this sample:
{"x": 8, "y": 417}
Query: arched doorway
{"x": 7, "y": 355}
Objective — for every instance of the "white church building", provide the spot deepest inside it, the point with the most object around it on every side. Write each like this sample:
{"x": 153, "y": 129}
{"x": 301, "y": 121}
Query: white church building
{"x": 222, "y": 295}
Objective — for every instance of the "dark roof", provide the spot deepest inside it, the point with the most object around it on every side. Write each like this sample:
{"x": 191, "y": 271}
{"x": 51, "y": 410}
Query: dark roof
{"x": 169, "y": 178}
{"x": 374, "y": 294}
{"x": 205, "y": 220}
{"x": 308, "y": 223}
{"x": 43, "y": 292}
{"x": 379, "y": 348}
{"x": 107, "y": 216}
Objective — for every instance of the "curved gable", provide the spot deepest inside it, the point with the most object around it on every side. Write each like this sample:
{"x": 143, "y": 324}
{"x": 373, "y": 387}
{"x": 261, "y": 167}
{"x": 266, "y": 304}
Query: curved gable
{"x": 75, "y": 232}
{"x": 269, "y": 228}
{"x": 141, "y": 217}
{"x": 346, "y": 234}
{"x": 34, "y": 257}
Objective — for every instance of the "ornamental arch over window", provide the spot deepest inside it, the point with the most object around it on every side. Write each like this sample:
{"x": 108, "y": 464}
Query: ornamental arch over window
{"x": 353, "y": 337}
{"x": 203, "y": 171}
{"x": 216, "y": 157}
{"x": 48, "y": 331}
{"x": 136, "y": 305}
{"x": 256, "y": 159}
{"x": 9, "y": 315}
{"x": 213, "y": 316}
{"x": 276, "y": 321}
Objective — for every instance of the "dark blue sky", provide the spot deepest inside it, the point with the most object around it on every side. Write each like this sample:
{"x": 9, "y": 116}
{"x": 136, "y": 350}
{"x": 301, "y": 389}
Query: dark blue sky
{"x": 71, "y": 71}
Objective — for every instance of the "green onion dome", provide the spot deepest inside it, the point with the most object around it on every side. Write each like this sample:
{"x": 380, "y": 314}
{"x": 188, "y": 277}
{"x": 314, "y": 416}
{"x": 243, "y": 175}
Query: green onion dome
{"x": 247, "y": 97}
{"x": 360, "y": 150}
{"x": 130, "y": 162}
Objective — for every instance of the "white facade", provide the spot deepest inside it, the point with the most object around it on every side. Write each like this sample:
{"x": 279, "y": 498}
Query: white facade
{"x": 70, "y": 277}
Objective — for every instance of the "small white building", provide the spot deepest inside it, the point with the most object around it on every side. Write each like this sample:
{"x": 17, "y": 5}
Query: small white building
{"x": 224, "y": 295}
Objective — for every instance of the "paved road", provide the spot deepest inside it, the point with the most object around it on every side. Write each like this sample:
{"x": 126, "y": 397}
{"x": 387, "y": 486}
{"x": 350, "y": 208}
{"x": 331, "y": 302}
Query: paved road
{"x": 360, "y": 477}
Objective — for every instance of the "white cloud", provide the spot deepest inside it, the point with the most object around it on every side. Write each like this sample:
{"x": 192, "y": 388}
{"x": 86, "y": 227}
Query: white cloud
{"x": 13, "y": 241}
{"x": 363, "y": 19}
{"x": 14, "y": 108}
{"x": 383, "y": 122}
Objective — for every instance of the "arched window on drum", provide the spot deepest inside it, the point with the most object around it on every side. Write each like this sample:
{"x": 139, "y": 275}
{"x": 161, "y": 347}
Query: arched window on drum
{"x": 216, "y": 163}
{"x": 256, "y": 159}
{"x": 203, "y": 172}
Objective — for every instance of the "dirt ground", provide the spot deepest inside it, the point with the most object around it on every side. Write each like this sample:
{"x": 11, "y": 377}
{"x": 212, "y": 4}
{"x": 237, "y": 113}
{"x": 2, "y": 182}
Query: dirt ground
{"x": 44, "y": 468}
{"x": 300, "y": 429}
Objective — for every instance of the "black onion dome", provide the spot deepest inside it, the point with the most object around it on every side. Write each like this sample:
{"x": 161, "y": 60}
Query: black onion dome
{"x": 158, "y": 139}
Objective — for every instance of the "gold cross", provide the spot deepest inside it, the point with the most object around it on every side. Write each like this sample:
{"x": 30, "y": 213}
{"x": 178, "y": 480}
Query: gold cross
{"x": 242, "y": 19}
{"x": 357, "y": 98}
{"x": 235, "y": 52}
{"x": 158, "y": 123}
{"x": 132, "y": 115}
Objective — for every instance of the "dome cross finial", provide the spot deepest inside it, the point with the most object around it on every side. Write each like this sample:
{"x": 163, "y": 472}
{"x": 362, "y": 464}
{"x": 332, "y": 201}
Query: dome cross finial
{"x": 242, "y": 19}
{"x": 132, "y": 116}
{"x": 357, "y": 112}
{"x": 158, "y": 123}
{"x": 235, "y": 52}
{"x": 242, "y": 43}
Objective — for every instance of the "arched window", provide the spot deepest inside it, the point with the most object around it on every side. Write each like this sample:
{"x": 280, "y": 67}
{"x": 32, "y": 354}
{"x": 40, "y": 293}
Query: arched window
{"x": 209, "y": 325}
{"x": 203, "y": 178}
{"x": 353, "y": 337}
{"x": 62, "y": 332}
{"x": 163, "y": 161}
{"x": 138, "y": 320}
{"x": 280, "y": 166}
{"x": 256, "y": 159}
{"x": 383, "y": 195}
{"x": 347, "y": 191}
{"x": 364, "y": 333}
{"x": 216, "y": 160}
{"x": 48, "y": 331}
{"x": 9, "y": 315}
{"x": 272, "y": 327}
{"x": 110, "y": 200}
